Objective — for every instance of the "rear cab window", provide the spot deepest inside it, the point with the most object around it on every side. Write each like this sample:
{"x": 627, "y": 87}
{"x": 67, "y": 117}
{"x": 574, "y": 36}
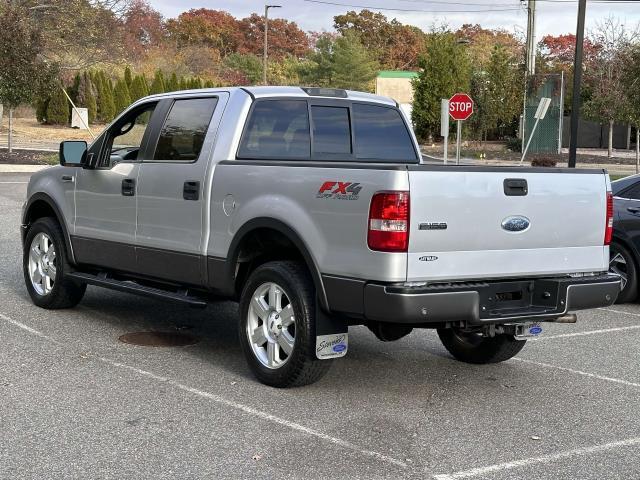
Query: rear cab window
{"x": 313, "y": 129}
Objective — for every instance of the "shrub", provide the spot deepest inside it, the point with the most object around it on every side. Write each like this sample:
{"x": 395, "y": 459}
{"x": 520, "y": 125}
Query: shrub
{"x": 58, "y": 111}
{"x": 514, "y": 144}
{"x": 543, "y": 161}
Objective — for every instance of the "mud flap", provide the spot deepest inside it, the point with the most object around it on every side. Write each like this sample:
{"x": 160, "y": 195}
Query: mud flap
{"x": 332, "y": 336}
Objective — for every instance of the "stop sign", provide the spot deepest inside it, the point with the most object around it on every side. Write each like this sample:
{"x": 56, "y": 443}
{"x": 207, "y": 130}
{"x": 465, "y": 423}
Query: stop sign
{"x": 460, "y": 106}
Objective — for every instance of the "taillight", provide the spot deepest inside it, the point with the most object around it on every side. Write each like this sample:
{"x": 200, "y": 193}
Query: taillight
{"x": 389, "y": 222}
{"x": 608, "y": 227}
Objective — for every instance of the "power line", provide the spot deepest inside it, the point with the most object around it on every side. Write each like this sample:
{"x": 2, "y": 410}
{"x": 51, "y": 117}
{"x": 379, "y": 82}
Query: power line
{"x": 324, "y": 2}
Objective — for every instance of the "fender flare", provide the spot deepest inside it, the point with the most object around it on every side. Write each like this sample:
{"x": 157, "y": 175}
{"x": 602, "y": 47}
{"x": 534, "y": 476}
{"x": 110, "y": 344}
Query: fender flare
{"x": 43, "y": 197}
{"x": 288, "y": 232}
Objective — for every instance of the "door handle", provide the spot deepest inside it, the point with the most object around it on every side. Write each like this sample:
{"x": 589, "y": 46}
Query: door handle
{"x": 128, "y": 187}
{"x": 191, "y": 190}
{"x": 67, "y": 178}
{"x": 633, "y": 209}
{"x": 515, "y": 187}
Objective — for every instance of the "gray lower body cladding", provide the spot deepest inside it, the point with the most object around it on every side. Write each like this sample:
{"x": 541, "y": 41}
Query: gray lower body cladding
{"x": 473, "y": 302}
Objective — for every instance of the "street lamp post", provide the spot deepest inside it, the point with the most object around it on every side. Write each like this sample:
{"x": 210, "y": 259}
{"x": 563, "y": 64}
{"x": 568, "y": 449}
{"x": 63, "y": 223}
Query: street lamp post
{"x": 266, "y": 28}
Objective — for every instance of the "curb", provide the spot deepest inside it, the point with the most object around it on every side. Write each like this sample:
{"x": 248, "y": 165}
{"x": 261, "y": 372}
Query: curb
{"x": 10, "y": 168}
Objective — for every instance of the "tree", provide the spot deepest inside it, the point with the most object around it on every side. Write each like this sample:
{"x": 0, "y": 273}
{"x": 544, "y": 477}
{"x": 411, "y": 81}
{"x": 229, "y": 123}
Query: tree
{"x": 250, "y": 66}
{"x": 340, "y": 63}
{"x": 318, "y": 69}
{"x": 285, "y": 37}
{"x": 128, "y": 78}
{"x": 138, "y": 88}
{"x": 58, "y": 109}
{"x": 445, "y": 70}
{"x": 631, "y": 82}
{"x": 173, "y": 84}
{"x": 143, "y": 30}
{"x": 394, "y": 45}
{"x": 608, "y": 99}
{"x": 87, "y": 97}
{"x": 105, "y": 100}
{"x": 496, "y": 91}
{"x": 122, "y": 97}
{"x": 204, "y": 27}
{"x": 23, "y": 73}
{"x": 157, "y": 86}
{"x": 353, "y": 66}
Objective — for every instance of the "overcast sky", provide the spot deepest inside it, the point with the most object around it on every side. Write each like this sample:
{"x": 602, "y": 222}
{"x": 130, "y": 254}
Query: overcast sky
{"x": 554, "y": 16}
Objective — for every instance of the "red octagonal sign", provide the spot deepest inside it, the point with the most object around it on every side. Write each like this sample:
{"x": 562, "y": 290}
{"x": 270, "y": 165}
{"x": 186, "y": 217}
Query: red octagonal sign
{"x": 460, "y": 106}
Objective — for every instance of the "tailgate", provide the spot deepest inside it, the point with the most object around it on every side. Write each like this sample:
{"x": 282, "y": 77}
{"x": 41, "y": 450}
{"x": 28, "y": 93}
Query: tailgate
{"x": 476, "y": 223}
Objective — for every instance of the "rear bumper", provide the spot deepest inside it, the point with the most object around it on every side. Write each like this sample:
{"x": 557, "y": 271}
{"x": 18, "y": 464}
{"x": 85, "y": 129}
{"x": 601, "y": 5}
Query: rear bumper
{"x": 488, "y": 302}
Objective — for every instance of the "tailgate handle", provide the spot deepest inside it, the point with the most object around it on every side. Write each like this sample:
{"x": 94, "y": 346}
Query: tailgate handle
{"x": 515, "y": 187}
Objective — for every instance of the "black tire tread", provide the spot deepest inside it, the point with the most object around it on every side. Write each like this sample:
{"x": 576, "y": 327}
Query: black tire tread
{"x": 630, "y": 292}
{"x": 66, "y": 293}
{"x": 303, "y": 368}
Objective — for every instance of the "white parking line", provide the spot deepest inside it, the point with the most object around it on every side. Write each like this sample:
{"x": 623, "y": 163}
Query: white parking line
{"x": 480, "y": 471}
{"x": 579, "y": 372}
{"x": 223, "y": 401}
{"x": 588, "y": 332}
{"x": 15, "y": 183}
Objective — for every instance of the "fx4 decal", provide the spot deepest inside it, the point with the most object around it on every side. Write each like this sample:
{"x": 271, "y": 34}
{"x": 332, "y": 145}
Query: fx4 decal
{"x": 339, "y": 190}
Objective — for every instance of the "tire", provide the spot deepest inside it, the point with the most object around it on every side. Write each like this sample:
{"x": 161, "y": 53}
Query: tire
{"x": 622, "y": 262}
{"x": 474, "y": 348}
{"x": 45, "y": 256}
{"x": 266, "y": 324}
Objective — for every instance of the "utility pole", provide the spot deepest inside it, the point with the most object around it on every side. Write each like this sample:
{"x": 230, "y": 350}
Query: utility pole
{"x": 577, "y": 81}
{"x": 530, "y": 58}
{"x": 266, "y": 29}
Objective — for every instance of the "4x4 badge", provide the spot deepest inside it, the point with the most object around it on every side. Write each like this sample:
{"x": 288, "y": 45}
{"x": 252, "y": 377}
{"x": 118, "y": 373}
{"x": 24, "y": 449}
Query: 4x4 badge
{"x": 339, "y": 190}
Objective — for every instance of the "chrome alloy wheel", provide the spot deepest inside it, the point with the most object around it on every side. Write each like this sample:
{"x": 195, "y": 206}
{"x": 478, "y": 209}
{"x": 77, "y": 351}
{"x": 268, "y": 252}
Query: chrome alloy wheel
{"x": 271, "y": 328}
{"x": 618, "y": 265}
{"x": 42, "y": 264}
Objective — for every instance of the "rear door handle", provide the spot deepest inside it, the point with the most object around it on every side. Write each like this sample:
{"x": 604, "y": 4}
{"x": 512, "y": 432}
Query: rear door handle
{"x": 191, "y": 190}
{"x": 67, "y": 178}
{"x": 128, "y": 187}
{"x": 633, "y": 209}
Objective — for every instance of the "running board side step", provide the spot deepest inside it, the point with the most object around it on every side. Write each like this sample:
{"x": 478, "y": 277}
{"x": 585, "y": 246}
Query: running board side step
{"x": 128, "y": 286}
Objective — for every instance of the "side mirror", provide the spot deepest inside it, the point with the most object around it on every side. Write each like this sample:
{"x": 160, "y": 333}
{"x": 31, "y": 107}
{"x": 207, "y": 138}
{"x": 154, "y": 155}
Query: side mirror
{"x": 73, "y": 153}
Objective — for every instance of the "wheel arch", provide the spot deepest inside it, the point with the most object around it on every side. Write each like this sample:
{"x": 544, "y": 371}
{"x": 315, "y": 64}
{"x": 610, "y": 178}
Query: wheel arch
{"x": 276, "y": 230}
{"x": 41, "y": 205}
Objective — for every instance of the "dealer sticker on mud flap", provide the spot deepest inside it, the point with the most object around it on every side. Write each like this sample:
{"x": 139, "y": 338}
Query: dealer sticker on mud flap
{"x": 332, "y": 346}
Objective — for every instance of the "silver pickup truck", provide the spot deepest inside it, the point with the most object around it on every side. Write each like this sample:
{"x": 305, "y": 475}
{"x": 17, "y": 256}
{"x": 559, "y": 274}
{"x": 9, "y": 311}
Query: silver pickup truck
{"x": 312, "y": 207}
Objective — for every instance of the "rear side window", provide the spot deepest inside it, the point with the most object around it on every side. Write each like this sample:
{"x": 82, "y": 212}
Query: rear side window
{"x": 331, "y": 130}
{"x": 381, "y": 134}
{"x": 183, "y": 132}
{"x": 277, "y": 129}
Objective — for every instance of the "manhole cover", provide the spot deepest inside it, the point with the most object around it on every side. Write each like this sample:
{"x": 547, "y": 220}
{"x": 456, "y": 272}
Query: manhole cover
{"x": 159, "y": 339}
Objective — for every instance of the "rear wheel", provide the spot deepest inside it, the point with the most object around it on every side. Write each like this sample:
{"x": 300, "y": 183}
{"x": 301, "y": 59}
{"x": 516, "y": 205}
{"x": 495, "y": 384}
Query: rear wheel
{"x": 472, "y": 347}
{"x": 45, "y": 263}
{"x": 621, "y": 262}
{"x": 277, "y": 325}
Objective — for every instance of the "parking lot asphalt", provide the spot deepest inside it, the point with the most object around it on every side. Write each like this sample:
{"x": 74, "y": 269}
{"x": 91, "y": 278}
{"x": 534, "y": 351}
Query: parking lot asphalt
{"x": 77, "y": 403}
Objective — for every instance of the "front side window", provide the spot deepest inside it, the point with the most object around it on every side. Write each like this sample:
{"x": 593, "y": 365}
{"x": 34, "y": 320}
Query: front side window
{"x": 331, "y": 130}
{"x": 124, "y": 138}
{"x": 381, "y": 134}
{"x": 184, "y": 130}
{"x": 277, "y": 129}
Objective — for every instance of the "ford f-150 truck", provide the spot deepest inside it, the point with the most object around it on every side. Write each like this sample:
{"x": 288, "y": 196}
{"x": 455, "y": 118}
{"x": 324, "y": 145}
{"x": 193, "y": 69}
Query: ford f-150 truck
{"x": 312, "y": 207}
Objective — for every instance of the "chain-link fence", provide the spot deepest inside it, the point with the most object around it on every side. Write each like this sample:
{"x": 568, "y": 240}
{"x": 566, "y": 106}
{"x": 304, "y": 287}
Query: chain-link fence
{"x": 547, "y": 137}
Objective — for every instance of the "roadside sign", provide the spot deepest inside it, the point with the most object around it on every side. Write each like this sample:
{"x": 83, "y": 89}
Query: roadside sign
{"x": 460, "y": 106}
{"x": 541, "y": 111}
{"x": 444, "y": 125}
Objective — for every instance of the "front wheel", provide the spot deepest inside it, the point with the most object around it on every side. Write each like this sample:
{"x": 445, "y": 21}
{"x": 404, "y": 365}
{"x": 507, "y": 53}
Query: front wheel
{"x": 472, "y": 347}
{"x": 277, "y": 325}
{"x": 45, "y": 264}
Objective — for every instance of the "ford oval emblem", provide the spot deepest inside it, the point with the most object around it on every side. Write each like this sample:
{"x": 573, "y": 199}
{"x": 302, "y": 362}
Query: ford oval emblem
{"x": 535, "y": 330}
{"x": 517, "y": 223}
{"x": 341, "y": 347}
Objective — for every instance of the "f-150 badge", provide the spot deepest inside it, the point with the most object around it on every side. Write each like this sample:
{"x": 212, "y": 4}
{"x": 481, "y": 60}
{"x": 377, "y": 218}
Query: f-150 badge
{"x": 339, "y": 190}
